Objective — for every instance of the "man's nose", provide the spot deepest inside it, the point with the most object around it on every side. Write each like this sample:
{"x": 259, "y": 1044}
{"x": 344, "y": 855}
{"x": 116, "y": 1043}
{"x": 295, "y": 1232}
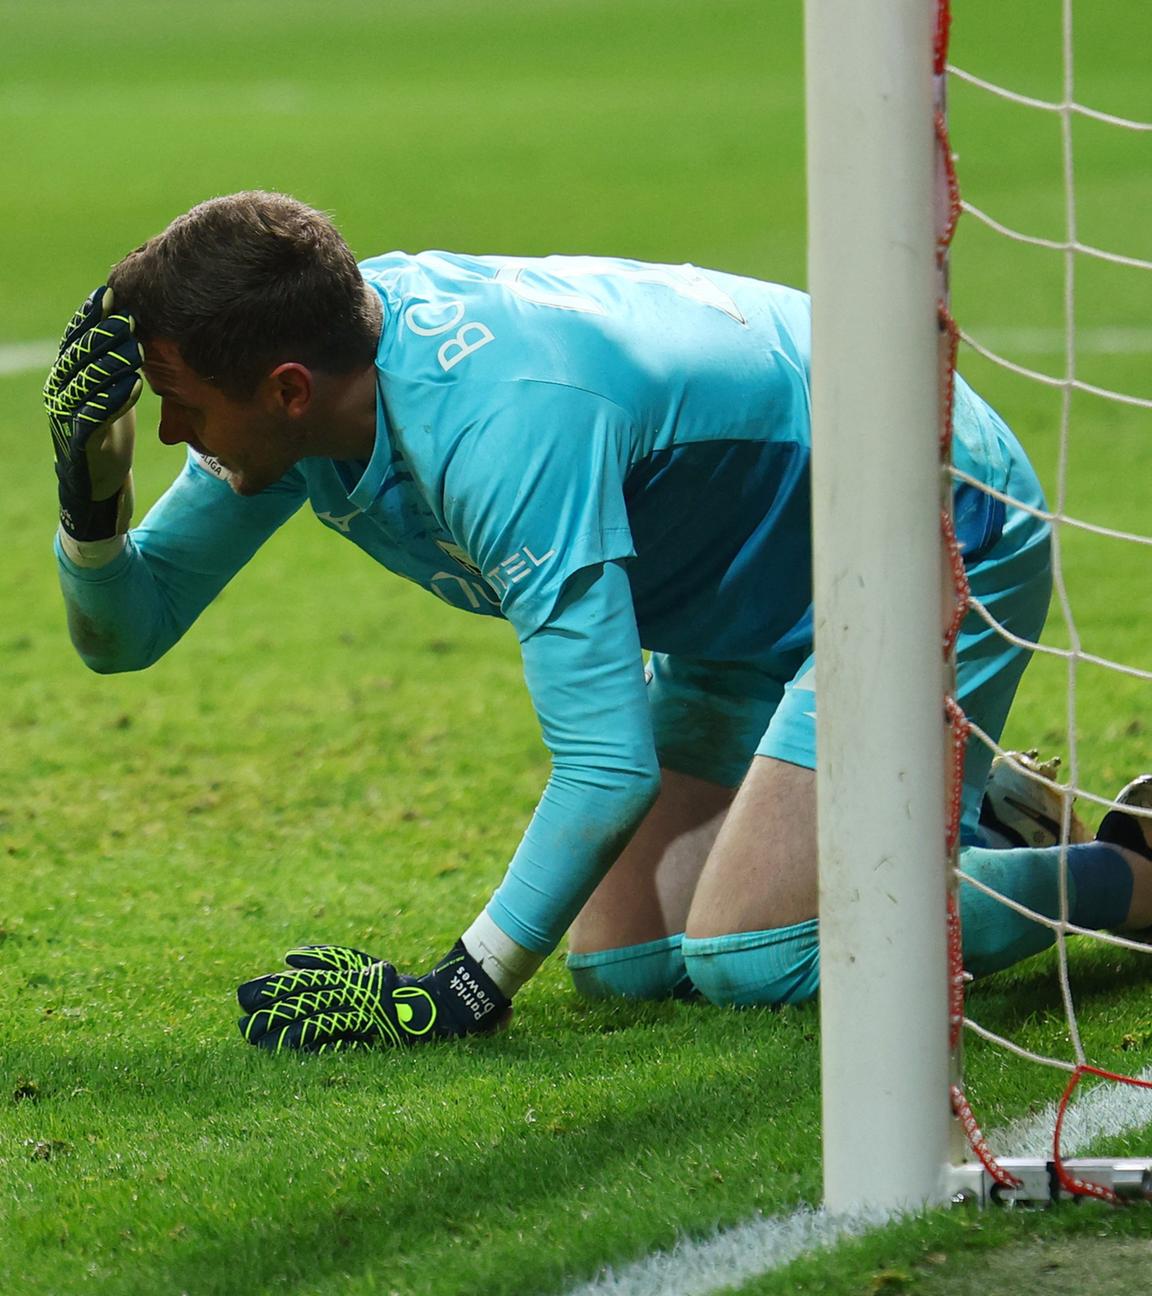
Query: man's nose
{"x": 173, "y": 424}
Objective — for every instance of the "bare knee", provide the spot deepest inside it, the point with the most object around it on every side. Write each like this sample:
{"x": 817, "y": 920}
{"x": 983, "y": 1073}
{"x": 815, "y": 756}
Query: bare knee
{"x": 761, "y": 873}
{"x": 646, "y": 894}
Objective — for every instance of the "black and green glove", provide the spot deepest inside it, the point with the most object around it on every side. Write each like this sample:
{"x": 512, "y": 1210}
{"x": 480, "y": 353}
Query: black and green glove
{"x": 94, "y": 381}
{"x": 334, "y": 997}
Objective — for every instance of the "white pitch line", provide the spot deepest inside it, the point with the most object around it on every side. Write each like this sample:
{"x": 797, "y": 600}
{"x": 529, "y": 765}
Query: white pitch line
{"x": 728, "y": 1258}
{"x": 1106, "y": 1110}
{"x": 762, "y": 1244}
{"x": 20, "y": 357}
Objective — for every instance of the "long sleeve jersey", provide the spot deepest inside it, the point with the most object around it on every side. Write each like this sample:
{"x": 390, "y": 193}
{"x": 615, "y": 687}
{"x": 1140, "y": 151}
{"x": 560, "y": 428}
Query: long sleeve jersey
{"x": 608, "y": 454}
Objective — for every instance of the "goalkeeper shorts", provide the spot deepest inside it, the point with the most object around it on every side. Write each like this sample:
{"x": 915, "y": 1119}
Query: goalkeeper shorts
{"x": 711, "y": 718}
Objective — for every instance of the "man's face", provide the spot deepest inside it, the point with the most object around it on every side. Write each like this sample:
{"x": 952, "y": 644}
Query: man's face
{"x": 250, "y": 439}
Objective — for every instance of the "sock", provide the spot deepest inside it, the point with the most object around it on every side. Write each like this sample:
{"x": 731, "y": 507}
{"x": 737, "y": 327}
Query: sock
{"x": 995, "y": 937}
{"x": 762, "y": 967}
{"x": 652, "y": 970}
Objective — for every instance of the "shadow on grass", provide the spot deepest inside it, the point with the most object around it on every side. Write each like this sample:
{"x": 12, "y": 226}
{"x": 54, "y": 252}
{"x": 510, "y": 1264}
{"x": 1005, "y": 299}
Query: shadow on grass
{"x": 520, "y": 1204}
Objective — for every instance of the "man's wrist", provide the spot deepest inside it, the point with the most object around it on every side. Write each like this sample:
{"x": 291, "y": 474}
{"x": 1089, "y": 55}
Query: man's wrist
{"x": 91, "y": 554}
{"x": 465, "y": 993}
{"x": 506, "y": 961}
{"x": 88, "y": 520}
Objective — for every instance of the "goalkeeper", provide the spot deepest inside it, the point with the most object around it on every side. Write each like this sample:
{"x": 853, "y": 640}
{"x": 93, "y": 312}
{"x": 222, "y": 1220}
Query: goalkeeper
{"x": 609, "y": 455}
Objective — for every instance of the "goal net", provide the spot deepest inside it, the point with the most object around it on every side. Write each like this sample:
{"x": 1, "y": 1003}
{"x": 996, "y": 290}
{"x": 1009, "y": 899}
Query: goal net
{"x": 1047, "y": 314}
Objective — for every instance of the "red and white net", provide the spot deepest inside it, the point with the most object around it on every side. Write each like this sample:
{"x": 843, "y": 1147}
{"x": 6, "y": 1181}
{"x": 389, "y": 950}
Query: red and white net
{"x": 1063, "y": 328}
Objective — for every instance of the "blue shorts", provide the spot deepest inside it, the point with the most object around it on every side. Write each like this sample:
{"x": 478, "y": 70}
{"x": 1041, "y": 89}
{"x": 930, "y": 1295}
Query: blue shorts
{"x": 711, "y": 718}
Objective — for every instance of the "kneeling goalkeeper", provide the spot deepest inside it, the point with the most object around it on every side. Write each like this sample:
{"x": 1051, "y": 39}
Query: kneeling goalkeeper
{"x": 610, "y": 455}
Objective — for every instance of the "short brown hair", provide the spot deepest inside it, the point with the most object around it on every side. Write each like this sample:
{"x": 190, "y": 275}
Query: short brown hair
{"x": 245, "y": 282}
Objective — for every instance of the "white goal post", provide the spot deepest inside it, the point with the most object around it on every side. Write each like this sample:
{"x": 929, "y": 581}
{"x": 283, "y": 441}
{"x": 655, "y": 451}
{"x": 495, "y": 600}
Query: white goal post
{"x": 883, "y": 200}
{"x": 878, "y": 561}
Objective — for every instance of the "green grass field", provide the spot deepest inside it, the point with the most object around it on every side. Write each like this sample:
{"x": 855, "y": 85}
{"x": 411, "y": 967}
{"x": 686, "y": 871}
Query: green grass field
{"x": 332, "y": 755}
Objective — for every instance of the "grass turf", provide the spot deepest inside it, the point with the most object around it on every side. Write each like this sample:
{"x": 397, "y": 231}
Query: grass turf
{"x": 332, "y": 755}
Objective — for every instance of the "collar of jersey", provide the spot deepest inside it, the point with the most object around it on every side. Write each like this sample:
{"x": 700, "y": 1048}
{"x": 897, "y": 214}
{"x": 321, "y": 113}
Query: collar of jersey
{"x": 381, "y": 471}
{"x": 386, "y": 490}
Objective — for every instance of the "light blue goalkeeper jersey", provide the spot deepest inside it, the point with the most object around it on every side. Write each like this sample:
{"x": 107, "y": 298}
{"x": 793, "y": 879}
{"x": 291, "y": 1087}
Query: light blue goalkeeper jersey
{"x": 553, "y": 415}
{"x": 607, "y": 453}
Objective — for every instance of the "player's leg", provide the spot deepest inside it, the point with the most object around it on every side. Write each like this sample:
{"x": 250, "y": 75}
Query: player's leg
{"x": 1108, "y": 887}
{"x": 751, "y": 935}
{"x": 1109, "y": 880}
{"x": 707, "y": 719}
{"x": 625, "y": 942}
{"x": 762, "y": 871}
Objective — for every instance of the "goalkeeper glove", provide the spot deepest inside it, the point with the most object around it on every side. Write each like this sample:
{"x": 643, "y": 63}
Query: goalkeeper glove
{"x": 334, "y": 997}
{"x": 94, "y": 382}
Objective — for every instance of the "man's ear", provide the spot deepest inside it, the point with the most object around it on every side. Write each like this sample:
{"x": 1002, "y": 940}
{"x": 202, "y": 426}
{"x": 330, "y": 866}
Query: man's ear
{"x": 289, "y": 388}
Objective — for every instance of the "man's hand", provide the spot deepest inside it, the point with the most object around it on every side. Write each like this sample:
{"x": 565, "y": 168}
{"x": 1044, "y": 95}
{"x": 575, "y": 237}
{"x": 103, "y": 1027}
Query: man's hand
{"x": 91, "y": 387}
{"x": 334, "y": 997}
